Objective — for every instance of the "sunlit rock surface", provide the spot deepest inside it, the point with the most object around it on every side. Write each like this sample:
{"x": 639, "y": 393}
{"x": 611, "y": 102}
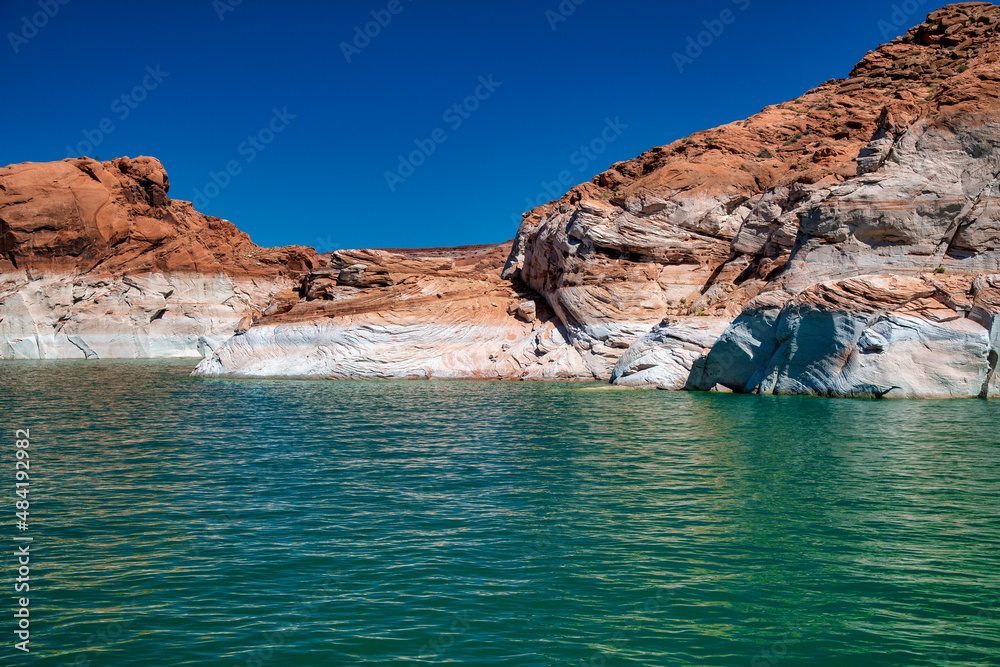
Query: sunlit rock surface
{"x": 844, "y": 243}
{"x": 97, "y": 262}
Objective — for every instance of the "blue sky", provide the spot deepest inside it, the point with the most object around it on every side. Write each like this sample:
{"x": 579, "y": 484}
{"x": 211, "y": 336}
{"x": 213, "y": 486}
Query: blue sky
{"x": 290, "y": 120}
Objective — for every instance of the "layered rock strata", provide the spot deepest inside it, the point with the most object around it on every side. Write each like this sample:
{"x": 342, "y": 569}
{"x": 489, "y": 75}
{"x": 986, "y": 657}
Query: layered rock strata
{"x": 841, "y": 244}
{"x": 404, "y": 314}
{"x": 889, "y": 174}
{"x": 97, "y": 262}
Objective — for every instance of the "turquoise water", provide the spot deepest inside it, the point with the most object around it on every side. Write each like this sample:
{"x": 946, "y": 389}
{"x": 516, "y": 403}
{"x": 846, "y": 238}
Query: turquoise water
{"x": 199, "y": 522}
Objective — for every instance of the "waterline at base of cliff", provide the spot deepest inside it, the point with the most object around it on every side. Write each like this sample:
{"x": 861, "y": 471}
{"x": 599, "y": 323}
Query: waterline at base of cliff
{"x": 843, "y": 244}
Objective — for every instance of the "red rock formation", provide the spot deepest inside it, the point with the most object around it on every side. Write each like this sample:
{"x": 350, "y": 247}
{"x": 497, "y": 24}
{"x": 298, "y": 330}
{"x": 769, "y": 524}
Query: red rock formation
{"x": 820, "y": 222}
{"x": 944, "y": 67}
{"x": 96, "y": 260}
{"x": 889, "y": 171}
{"x": 116, "y": 218}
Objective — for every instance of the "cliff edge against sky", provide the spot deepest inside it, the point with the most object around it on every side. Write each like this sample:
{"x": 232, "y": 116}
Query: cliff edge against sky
{"x": 96, "y": 261}
{"x": 841, "y": 244}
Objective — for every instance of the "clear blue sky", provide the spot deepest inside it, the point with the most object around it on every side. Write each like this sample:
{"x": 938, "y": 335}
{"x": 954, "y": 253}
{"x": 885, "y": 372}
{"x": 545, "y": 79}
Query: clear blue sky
{"x": 224, "y": 68}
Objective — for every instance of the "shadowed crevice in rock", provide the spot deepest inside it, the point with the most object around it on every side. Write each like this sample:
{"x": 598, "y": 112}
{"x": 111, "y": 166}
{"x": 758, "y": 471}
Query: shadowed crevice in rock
{"x": 985, "y": 392}
{"x": 83, "y": 347}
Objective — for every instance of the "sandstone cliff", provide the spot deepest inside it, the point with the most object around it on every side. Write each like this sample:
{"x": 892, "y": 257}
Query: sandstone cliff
{"x": 841, "y": 244}
{"x": 96, "y": 261}
{"x": 411, "y": 314}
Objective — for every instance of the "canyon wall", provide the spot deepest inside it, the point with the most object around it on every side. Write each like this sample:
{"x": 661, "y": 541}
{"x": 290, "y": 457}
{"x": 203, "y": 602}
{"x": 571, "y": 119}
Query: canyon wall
{"x": 844, "y": 243}
{"x": 97, "y": 262}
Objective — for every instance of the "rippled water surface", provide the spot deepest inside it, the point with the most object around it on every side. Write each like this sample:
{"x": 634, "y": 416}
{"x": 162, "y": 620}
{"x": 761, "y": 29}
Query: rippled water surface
{"x": 201, "y": 522}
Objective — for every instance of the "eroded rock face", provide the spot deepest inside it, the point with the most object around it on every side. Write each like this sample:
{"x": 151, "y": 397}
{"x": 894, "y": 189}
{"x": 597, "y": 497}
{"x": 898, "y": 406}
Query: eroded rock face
{"x": 892, "y": 162}
{"x": 460, "y": 345}
{"x": 406, "y": 314}
{"x": 933, "y": 203}
{"x": 663, "y": 358}
{"x": 869, "y": 336}
{"x": 841, "y": 244}
{"x": 144, "y": 316}
{"x": 893, "y": 172}
{"x": 96, "y": 261}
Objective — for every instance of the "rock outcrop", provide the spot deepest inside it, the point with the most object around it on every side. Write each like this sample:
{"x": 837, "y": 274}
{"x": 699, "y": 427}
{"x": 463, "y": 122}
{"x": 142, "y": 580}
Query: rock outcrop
{"x": 890, "y": 173}
{"x": 96, "y": 261}
{"x": 866, "y": 337}
{"x": 409, "y": 314}
{"x": 845, "y": 243}
{"x": 841, "y": 244}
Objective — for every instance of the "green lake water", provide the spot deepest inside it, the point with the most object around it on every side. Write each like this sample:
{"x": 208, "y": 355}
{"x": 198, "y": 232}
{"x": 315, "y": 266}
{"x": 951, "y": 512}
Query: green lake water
{"x": 178, "y": 521}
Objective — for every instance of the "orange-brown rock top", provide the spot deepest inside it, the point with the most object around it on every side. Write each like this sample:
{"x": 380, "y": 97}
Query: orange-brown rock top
{"x": 116, "y": 218}
{"x": 413, "y": 281}
{"x": 950, "y": 60}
